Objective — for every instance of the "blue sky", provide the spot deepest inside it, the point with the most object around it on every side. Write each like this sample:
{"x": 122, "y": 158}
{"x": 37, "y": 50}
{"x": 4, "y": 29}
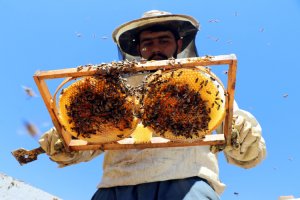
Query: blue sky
{"x": 46, "y": 35}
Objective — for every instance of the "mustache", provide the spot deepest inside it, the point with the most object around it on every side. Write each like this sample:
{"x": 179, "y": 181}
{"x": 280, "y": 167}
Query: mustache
{"x": 158, "y": 54}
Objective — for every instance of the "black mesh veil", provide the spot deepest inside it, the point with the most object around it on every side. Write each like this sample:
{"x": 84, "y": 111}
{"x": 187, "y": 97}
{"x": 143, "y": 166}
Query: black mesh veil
{"x": 184, "y": 27}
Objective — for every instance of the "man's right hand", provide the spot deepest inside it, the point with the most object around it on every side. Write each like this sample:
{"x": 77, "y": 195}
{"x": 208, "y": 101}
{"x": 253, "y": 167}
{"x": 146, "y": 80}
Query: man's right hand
{"x": 53, "y": 145}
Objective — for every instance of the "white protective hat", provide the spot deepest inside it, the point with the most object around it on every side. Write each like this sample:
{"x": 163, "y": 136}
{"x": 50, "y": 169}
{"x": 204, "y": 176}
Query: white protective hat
{"x": 126, "y": 35}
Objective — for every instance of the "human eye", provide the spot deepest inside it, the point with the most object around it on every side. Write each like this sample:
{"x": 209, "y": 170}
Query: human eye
{"x": 165, "y": 41}
{"x": 146, "y": 43}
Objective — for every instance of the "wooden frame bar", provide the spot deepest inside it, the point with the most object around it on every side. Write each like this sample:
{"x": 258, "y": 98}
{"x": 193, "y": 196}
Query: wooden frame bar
{"x": 40, "y": 78}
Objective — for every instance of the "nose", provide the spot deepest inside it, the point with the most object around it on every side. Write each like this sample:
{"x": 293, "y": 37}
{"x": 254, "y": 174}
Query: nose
{"x": 156, "y": 47}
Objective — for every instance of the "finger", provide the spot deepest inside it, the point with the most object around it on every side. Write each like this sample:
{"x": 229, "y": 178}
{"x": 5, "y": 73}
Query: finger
{"x": 251, "y": 152}
{"x": 249, "y": 141}
{"x": 245, "y": 131}
{"x": 238, "y": 123}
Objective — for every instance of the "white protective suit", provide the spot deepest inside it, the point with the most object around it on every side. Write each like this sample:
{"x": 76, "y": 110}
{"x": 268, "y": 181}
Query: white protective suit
{"x": 135, "y": 166}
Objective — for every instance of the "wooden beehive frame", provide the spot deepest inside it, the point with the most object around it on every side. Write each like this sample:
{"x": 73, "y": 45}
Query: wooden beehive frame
{"x": 40, "y": 78}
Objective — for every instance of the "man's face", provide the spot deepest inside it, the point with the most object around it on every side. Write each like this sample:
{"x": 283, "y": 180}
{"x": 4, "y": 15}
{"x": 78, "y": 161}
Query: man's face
{"x": 158, "y": 45}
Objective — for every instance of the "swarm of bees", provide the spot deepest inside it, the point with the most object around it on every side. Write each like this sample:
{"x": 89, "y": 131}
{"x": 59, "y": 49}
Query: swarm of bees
{"x": 98, "y": 109}
{"x": 175, "y": 108}
{"x": 183, "y": 104}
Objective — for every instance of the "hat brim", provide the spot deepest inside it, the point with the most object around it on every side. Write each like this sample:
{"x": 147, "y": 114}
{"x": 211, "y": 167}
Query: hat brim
{"x": 125, "y": 35}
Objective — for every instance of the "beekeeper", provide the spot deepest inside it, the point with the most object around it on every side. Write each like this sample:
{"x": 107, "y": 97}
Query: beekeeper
{"x": 164, "y": 173}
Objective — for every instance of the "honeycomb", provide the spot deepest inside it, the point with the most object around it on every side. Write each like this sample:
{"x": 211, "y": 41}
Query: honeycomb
{"x": 183, "y": 104}
{"x": 97, "y": 110}
{"x": 141, "y": 134}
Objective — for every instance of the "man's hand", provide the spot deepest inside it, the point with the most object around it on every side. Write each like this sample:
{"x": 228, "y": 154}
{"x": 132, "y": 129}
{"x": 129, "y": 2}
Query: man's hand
{"x": 53, "y": 145}
{"x": 246, "y": 143}
{"x": 242, "y": 135}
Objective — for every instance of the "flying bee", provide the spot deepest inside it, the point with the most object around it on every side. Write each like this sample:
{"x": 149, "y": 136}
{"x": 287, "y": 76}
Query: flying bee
{"x": 29, "y": 91}
{"x": 262, "y": 29}
{"x": 216, "y": 39}
{"x": 214, "y": 20}
{"x": 78, "y": 34}
{"x": 31, "y": 128}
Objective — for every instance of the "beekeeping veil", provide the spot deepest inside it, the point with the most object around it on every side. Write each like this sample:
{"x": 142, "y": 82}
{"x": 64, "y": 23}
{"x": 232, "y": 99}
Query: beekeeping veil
{"x": 126, "y": 35}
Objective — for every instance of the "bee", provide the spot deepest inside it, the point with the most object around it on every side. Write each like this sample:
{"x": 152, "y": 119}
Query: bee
{"x": 262, "y": 29}
{"x": 29, "y": 91}
{"x": 78, "y": 34}
{"x": 217, "y": 103}
{"x": 89, "y": 67}
{"x": 179, "y": 74}
{"x": 172, "y": 74}
{"x": 213, "y": 79}
{"x": 31, "y": 128}
{"x": 236, "y": 193}
{"x": 79, "y": 68}
{"x": 214, "y": 20}
{"x": 205, "y": 84}
{"x": 213, "y": 38}
{"x": 208, "y": 56}
{"x": 196, "y": 80}
{"x": 179, "y": 63}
